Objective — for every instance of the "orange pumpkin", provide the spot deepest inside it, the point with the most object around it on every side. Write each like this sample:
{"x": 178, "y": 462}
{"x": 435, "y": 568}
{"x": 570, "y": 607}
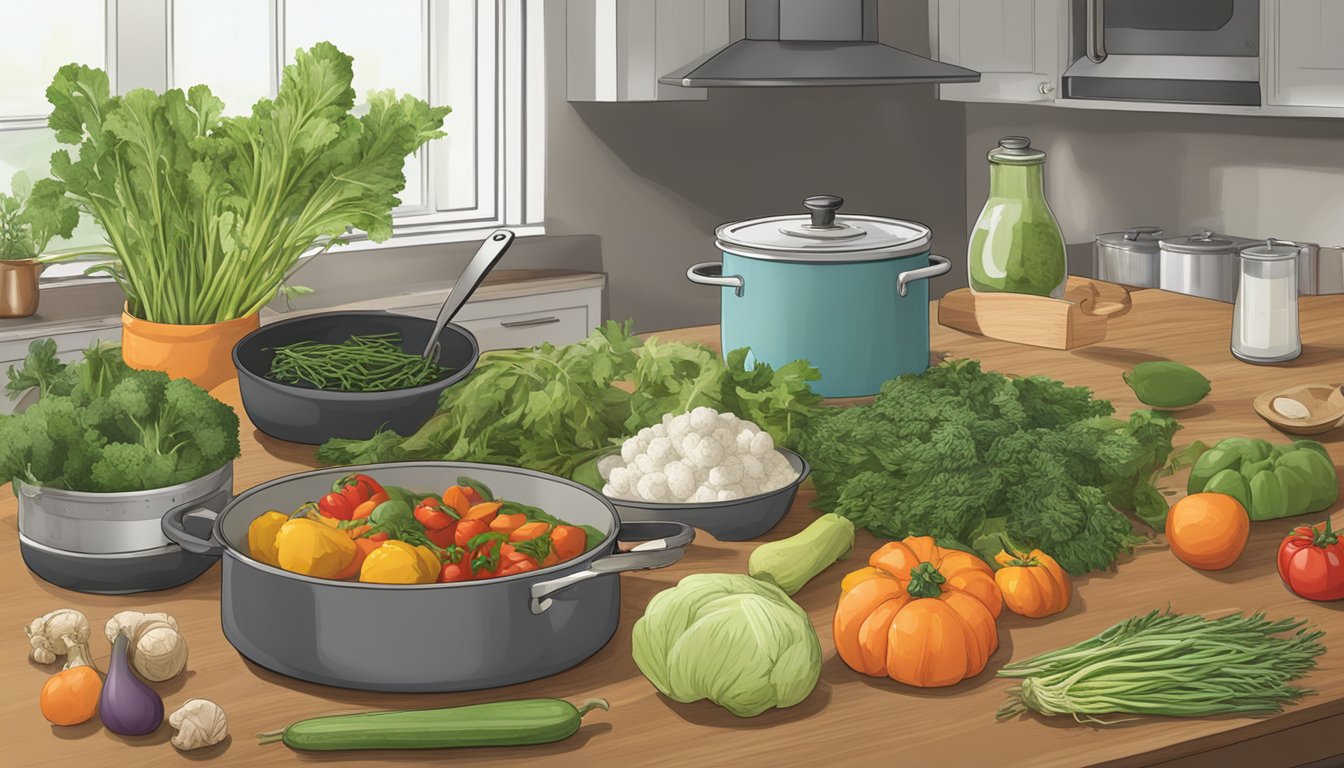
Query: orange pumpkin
{"x": 920, "y": 614}
{"x": 1032, "y": 583}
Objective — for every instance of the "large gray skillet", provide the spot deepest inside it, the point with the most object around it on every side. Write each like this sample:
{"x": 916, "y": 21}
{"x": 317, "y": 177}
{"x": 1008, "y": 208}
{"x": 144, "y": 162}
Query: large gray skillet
{"x": 305, "y": 414}
{"x": 425, "y": 637}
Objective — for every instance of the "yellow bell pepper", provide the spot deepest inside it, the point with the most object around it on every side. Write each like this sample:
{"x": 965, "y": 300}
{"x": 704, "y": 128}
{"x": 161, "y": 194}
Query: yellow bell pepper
{"x": 397, "y": 562}
{"x": 313, "y": 549}
{"x": 430, "y": 561}
{"x": 261, "y": 536}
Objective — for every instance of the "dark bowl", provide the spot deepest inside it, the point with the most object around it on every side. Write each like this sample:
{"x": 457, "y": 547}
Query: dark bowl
{"x": 303, "y": 414}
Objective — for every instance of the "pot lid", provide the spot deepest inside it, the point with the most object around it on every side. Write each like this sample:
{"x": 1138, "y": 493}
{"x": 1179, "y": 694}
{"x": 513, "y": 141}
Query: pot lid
{"x": 824, "y": 235}
{"x": 1016, "y": 150}
{"x": 1133, "y": 239}
{"x": 1272, "y": 250}
{"x": 1206, "y": 241}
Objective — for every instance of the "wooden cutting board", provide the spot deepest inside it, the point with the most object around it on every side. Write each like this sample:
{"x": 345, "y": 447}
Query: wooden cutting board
{"x": 1076, "y": 320}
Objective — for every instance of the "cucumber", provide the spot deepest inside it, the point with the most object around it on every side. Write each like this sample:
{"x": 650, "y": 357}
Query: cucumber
{"x": 499, "y": 724}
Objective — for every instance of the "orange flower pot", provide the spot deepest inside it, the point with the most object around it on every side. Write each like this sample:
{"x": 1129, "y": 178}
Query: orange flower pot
{"x": 201, "y": 353}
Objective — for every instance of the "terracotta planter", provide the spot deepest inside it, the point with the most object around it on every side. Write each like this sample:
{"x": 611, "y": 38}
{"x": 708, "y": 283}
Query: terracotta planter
{"x": 201, "y": 353}
{"x": 18, "y": 287}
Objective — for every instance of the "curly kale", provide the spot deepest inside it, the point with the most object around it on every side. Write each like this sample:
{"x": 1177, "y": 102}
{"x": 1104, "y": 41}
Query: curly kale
{"x": 117, "y": 430}
{"x": 969, "y": 457}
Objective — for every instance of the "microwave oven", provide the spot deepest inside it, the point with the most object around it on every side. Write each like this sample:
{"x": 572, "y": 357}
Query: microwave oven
{"x": 1181, "y": 51}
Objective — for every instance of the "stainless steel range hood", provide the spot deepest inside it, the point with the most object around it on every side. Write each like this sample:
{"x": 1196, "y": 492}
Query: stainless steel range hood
{"x": 813, "y": 42}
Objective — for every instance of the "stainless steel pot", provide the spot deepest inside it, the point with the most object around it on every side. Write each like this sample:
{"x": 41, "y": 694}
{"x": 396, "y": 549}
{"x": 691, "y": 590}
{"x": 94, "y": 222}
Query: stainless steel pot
{"x": 113, "y": 543}
{"x": 1129, "y": 257}
{"x": 427, "y": 637}
{"x": 1204, "y": 265}
{"x": 112, "y": 523}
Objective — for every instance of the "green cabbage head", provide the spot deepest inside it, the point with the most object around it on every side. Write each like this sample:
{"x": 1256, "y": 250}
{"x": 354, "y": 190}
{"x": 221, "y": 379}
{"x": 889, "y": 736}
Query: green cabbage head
{"x": 741, "y": 643}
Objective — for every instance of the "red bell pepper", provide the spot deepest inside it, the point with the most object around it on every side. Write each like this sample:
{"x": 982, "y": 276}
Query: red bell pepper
{"x": 347, "y": 494}
{"x": 433, "y": 514}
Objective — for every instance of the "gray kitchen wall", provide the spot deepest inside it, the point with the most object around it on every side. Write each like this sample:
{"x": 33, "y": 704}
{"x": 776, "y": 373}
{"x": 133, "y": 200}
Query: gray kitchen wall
{"x": 653, "y": 180}
{"x": 1107, "y": 170}
{"x": 636, "y": 189}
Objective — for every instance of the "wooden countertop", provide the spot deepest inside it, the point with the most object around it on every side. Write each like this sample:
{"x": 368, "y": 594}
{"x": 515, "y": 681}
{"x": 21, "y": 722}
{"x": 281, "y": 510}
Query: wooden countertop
{"x": 848, "y": 719}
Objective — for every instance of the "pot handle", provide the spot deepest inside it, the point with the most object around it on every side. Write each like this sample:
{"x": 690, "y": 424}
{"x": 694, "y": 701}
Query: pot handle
{"x": 938, "y": 266}
{"x": 663, "y": 544}
{"x": 711, "y": 273}
{"x": 174, "y": 530}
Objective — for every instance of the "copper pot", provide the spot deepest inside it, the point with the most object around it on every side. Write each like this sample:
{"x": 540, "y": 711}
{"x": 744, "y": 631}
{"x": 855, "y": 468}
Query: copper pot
{"x": 18, "y": 287}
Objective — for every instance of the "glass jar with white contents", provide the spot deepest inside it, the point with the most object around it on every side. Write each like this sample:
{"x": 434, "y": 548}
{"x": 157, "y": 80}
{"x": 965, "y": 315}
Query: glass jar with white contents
{"x": 1264, "y": 320}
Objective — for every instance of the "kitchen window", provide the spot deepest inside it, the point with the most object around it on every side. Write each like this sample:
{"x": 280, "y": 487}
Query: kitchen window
{"x": 484, "y": 58}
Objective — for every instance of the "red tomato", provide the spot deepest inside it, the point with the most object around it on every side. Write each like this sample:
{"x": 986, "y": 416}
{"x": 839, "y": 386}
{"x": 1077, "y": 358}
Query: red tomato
{"x": 1311, "y": 562}
{"x": 357, "y": 488}
{"x": 455, "y": 572}
{"x": 336, "y": 506}
{"x": 443, "y": 537}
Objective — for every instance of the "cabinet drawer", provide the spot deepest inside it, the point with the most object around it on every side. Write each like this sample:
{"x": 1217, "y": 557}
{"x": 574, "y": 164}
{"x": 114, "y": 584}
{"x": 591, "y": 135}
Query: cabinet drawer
{"x": 564, "y": 325}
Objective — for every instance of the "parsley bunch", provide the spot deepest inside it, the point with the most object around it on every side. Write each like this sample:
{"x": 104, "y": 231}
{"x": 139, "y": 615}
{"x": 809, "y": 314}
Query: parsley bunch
{"x": 967, "y": 456}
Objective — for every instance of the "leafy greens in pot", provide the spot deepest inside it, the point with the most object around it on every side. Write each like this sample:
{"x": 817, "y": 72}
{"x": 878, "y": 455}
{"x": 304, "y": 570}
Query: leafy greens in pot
{"x": 207, "y": 215}
{"x": 554, "y": 409}
{"x": 967, "y": 456}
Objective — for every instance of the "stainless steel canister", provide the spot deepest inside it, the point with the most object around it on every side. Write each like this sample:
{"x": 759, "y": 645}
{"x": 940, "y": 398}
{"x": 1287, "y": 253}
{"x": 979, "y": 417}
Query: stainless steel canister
{"x": 1129, "y": 257}
{"x": 1205, "y": 265}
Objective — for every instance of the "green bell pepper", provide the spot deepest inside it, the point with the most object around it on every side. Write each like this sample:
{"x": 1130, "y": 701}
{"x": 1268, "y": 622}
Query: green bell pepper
{"x": 1270, "y": 481}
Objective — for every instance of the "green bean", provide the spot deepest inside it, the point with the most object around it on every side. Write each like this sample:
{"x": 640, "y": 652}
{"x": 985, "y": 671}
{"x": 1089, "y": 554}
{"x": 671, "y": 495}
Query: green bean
{"x": 1169, "y": 664}
{"x": 369, "y": 363}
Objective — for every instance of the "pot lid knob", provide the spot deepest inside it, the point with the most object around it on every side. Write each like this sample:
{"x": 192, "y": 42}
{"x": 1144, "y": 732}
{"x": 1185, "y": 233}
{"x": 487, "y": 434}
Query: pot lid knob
{"x": 823, "y": 208}
{"x": 1015, "y": 142}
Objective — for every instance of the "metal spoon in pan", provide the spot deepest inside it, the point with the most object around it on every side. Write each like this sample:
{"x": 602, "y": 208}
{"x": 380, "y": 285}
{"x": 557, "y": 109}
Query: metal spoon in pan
{"x": 480, "y": 265}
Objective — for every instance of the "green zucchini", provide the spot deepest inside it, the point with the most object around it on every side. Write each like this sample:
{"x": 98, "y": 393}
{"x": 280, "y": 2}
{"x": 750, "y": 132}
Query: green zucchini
{"x": 498, "y": 724}
{"x": 790, "y": 563}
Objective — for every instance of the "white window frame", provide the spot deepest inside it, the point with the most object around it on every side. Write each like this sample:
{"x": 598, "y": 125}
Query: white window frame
{"x": 510, "y": 114}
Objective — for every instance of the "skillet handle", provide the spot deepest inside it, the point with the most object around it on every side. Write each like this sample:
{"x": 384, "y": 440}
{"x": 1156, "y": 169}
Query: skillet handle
{"x": 174, "y": 530}
{"x": 663, "y": 544}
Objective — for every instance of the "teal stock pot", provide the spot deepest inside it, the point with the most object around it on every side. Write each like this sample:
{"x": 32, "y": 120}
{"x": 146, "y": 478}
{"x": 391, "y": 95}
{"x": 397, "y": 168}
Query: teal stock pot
{"x": 844, "y": 292}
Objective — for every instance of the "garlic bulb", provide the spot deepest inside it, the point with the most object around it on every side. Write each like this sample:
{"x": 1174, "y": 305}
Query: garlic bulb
{"x": 47, "y": 634}
{"x": 157, "y": 650}
{"x": 199, "y": 723}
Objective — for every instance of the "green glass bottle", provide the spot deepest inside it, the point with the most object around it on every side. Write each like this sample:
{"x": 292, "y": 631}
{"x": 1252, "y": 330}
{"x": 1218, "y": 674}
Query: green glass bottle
{"x": 1016, "y": 246}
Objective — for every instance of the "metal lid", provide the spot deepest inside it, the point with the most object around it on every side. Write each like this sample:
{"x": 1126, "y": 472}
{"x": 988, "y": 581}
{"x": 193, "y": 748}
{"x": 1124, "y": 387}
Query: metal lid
{"x": 1206, "y": 241}
{"x": 1016, "y": 150}
{"x": 1133, "y": 239}
{"x": 823, "y": 235}
{"x": 1272, "y": 250}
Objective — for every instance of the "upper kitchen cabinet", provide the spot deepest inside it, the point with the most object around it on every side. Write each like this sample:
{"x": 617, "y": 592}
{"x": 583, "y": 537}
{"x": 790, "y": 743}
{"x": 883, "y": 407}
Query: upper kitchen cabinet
{"x": 1013, "y": 44}
{"x": 1305, "y": 52}
{"x": 1246, "y": 57}
{"x": 617, "y": 49}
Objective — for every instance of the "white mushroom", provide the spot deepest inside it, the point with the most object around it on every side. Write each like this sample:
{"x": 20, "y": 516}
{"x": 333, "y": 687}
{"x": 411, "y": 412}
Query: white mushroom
{"x": 199, "y": 723}
{"x": 49, "y": 636}
{"x": 157, "y": 649}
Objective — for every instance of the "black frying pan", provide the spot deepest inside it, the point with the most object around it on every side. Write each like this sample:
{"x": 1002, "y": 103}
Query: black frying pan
{"x": 305, "y": 414}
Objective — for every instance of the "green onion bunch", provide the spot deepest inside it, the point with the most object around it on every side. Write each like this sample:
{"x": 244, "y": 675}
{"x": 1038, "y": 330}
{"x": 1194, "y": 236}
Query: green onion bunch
{"x": 1169, "y": 664}
{"x": 370, "y": 363}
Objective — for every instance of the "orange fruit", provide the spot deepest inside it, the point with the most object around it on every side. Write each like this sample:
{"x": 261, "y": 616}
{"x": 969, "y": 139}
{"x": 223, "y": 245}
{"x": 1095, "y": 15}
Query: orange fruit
{"x": 1208, "y": 530}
